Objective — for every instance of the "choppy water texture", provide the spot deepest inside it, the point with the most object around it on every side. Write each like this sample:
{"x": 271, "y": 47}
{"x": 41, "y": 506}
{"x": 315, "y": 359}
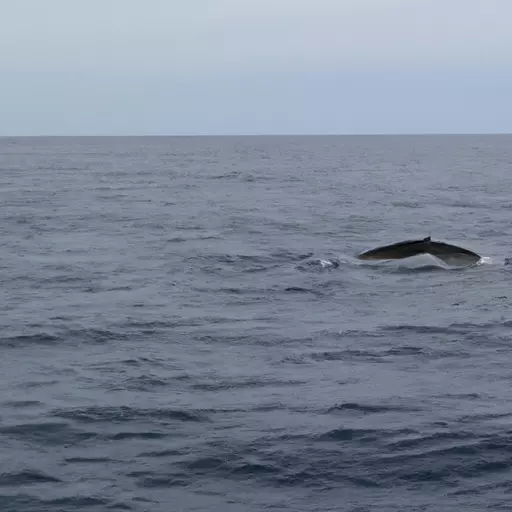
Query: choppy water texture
{"x": 185, "y": 326}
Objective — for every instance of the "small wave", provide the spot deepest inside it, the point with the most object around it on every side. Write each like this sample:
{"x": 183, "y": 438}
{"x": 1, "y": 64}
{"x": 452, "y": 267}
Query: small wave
{"x": 120, "y": 436}
{"x": 269, "y": 339}
{"x": 241, "y": 384}
{"x": 227, "y": 176}
{"x": 26, "y": 477}
{"x": 368, "y": 409}
{"x": 407, "y": 204}
{"x": 76, "y": 503}
{"x": 405, "y": 350}
{"x": 425, "y": 440}
{"x": 348, "y": 355}
{"x": 88, "y": 460}
{"x": 297, "y": 359}
{"x": 203, "y": 464}
{"x": 144, "y": 383}
{"x": 461, "y": 396}
{"x": 25, "y": 502}
{"x": 261, "y": 292}
{"x": 29, "y": 339}
{"x": 462, "y": 204}
{"x": 162, "y": 481}
{"x": 50, "y": 433}
{"x": 65, "y": 336}
{"x": 454, "y": 328}
{"x": 22, "y": 403}
{"x": 181, "y": 239}
{"x": 247, "y": 263}
{"x": 464, "y": 457}
{"x": 189, "y": 227}
{"x": 30, "y": 384}
{"x": 484, "y": 417}
{"x": 348, "y": 434}
{"x": 300, "y": 289}
{"x": 162, "y": 453}
{"x": 123, "y": 414}
{"x": 253, "y": 469}
{"x": 94, "y": 335}
{"x": 228, "y": 466}
{"x": 284, "y": 255}
{"x": 134, "y": 362}
{"x": 422, "y": 329}
{"x": 281, "y": 256}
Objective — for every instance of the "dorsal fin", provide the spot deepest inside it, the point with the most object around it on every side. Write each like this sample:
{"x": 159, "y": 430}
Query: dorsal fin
{"x": 427, "y": 239}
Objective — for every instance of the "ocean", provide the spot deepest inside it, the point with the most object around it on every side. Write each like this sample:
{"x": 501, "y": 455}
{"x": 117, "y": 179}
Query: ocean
{"x": 185, "y": 327}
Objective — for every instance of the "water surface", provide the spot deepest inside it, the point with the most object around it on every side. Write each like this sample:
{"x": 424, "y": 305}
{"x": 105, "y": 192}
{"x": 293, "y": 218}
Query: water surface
{"x": 185, "y": 326}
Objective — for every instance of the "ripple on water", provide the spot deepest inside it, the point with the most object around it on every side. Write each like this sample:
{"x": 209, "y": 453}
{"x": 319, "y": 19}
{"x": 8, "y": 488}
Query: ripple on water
{"x": 64, "y": 337}
{"x": 125, "y": 414}
{"x": 25, "y": 477}
{"x": 46, "y": 433}
{"x": 369, "y": 408}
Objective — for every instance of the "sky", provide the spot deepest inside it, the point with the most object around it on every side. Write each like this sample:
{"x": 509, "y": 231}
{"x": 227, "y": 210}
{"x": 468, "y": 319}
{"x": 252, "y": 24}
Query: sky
{"x": 214, "y": 67}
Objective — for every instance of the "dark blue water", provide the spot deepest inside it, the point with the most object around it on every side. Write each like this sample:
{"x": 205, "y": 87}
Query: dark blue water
{"x": 184, "y": 325}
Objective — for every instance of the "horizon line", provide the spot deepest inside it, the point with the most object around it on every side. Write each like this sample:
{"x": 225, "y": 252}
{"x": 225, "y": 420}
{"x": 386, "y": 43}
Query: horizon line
{"x": 191, "y": 135}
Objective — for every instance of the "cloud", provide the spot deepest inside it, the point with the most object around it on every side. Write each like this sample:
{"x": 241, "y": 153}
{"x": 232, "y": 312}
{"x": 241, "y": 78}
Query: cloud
{"x": 322, "y": 34}
{"x": 221, "y": 35}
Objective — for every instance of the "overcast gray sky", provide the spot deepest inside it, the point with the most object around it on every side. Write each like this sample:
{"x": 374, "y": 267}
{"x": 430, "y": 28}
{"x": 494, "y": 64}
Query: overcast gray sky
{"x": 106, "y": 67}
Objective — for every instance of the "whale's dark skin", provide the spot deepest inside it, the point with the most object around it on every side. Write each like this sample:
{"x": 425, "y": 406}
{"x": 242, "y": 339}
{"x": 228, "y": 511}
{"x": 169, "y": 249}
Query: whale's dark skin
{"x": 450, "y": 254}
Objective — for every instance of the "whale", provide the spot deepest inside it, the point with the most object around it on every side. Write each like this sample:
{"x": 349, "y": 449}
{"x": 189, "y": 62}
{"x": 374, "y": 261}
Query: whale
{"x": 447, "y": 253}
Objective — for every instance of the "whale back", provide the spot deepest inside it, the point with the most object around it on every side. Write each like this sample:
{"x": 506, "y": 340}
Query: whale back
{"x": 448, "y": 253}
{"x": 396, "y": 251}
